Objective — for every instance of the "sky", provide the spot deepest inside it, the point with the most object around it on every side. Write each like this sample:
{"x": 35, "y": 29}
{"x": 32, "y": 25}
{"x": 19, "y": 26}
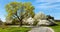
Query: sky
{"x": 48, "y": 7}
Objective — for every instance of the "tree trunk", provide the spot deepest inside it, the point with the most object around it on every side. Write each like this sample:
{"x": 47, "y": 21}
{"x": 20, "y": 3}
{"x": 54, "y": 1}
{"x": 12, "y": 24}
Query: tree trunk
{"x": 20, "y": 22}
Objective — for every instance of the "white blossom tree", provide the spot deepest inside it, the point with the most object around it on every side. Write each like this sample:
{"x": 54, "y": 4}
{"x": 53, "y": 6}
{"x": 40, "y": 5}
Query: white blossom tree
{"x": 40, "y": 15}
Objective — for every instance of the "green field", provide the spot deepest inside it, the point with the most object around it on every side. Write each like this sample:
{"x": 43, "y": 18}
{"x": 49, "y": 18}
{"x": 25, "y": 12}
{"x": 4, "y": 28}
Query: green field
{"x": 56, "y": 28}
{"x": 15, "y": 29}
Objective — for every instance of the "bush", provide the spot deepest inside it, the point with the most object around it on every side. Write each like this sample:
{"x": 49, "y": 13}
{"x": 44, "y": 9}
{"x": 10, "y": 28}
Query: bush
{"x": 35, "y": 23}
{"x": 24, "y": 23}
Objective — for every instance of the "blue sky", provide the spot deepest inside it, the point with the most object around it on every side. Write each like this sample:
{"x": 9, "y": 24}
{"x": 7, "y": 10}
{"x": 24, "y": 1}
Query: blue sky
{"x": 49, "y": 7}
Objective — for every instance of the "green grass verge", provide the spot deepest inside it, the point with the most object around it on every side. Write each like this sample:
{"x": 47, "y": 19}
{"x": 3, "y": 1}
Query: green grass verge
{"x": 56, "y": 28}
{"x": 15, "y": 29}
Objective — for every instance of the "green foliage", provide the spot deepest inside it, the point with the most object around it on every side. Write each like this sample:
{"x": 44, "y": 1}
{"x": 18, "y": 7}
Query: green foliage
{"x": 35, "y": 23}
{"x": 15, "y": 21}
{"x": 50, "y": 17}
{"x": 19, "y": 10}
{"x": 15, "y": 29}
{"x": 29, "y": 9}
{"x": 16, "y": 8}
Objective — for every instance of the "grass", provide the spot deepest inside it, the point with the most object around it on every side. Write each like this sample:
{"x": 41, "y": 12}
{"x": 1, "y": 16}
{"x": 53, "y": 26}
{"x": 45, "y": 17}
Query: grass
{"x": 56, "y": 28}
{"x": 15, "y": 29}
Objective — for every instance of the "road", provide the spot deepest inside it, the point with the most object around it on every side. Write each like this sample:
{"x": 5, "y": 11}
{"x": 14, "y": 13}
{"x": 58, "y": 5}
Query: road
{"x": 41, "y": 29}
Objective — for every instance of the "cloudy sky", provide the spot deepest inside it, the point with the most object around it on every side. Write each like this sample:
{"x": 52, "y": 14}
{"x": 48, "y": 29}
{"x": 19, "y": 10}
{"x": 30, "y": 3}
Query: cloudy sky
{"x": 49, "y": 7}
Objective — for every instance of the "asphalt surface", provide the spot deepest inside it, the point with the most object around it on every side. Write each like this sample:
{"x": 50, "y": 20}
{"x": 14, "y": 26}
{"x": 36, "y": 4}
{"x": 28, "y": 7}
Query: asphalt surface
{"x": 41, "y": 29}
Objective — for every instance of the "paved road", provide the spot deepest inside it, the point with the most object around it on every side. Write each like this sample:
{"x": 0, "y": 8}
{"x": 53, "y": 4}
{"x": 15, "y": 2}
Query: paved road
{"x": 41, "y": 29}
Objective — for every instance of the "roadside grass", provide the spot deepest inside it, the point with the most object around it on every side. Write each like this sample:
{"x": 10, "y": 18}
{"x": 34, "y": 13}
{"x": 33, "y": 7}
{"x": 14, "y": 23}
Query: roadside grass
{"x": 15, "y": 29}
{"x": 57, "y": 27}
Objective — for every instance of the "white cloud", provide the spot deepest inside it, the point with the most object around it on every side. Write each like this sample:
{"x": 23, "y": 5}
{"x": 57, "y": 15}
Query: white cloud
{"x": 46, "y": 7}
{"x": 47, "y": 4}
{"x": 49, "y": 1}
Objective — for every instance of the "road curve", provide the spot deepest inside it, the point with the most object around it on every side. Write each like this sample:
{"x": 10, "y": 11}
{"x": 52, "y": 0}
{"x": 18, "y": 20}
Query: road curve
{"x": 41, "y": 29}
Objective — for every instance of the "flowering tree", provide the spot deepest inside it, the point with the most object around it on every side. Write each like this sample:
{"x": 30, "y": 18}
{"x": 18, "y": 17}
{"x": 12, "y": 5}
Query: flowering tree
{"x": 40, "y": 16}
